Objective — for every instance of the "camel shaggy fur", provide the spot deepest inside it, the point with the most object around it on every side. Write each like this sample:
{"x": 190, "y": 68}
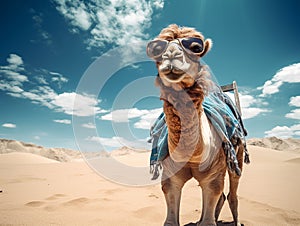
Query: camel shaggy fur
{"x": 195, "y": 149}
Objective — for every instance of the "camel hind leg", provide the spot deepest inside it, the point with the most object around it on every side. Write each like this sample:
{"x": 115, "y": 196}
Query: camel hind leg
{"x": 234, "y": 183}
{"x": 219, "y": 206}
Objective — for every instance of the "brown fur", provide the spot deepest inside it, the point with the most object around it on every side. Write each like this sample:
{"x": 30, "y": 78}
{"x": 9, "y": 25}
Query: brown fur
{"x": 187, "y": 140}
{"x": 173, "y": 31}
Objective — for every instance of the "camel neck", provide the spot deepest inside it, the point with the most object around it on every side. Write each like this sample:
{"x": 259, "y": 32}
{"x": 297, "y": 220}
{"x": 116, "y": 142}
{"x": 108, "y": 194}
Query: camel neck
{"x": 183, "y": 110}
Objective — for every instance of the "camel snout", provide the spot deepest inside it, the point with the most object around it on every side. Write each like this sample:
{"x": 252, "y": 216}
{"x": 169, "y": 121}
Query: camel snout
{"x": 174, "y": 51}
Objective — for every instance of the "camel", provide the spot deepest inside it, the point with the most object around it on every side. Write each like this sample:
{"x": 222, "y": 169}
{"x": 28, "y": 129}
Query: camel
{"x": 195, "y": 148}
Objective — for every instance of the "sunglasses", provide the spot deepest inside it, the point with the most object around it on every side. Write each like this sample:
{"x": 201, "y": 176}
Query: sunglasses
{"x": 192, "y": 46}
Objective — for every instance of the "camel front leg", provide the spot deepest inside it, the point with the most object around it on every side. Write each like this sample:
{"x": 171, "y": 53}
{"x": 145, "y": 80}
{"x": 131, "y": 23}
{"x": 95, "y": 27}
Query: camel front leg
{"x": 172, "y": 194}
{"x": 210, "y": 200}
{"x": 211, "y": 193}
{"x": 172, "y": 185}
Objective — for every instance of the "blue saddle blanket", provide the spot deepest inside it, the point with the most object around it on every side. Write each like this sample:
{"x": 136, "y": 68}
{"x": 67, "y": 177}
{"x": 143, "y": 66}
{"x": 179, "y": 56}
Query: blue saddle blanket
{"x": 225, "y": 118}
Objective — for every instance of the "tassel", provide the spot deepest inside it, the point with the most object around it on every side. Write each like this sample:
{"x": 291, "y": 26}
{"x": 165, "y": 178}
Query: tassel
{"x": 247, "y": 157}
{"x": 154, "y": 168}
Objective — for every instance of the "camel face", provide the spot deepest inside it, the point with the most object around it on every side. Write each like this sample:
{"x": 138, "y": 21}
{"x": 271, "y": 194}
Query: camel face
{"x": 177, "y": 52}
{"x": 177, "y": 60}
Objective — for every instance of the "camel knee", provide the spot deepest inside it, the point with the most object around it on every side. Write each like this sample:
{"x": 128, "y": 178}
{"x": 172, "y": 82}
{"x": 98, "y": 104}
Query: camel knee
{"x": 217, "y": 186}
{"x": 165, "y": 187}
{"x": 168, "y": 186}
{"x": 232, "y": 198}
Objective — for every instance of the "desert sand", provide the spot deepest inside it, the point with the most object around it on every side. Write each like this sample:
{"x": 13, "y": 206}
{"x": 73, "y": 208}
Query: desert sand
{"x": 35, "y": 190}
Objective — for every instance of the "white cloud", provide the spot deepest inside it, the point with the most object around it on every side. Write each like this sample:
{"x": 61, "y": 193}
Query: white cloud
{"x": 37, "y": 137}
{"x": 294, "y": 114}
{"x": 10, "y": 87}
{"x": 250, "y": 105}
{"x": 42, "y": 95}
{"x": 252, "y": 112}
{"x": 123, "y": 115}
{"x": 246, "y": 100}
{"x": 147, "y": 120}
{"x": 110, "y": 142}
{"x": 159, "y": 4}
{"x": 41, "y": 80}
{"x": 280, "y": 131}
{"x": 288, "y": 74}
{"x": 146, "y": 117}
{"x": 76, "y": 104}
{"x": 116, "y": 142}
{"x": 116, "y": 22}
{"x": 9, "y": 125}
{"x": 62, "y": 121}
{"x": 67, "y": 102}
{"x": 14, "y": 60}
{"x": 295, "y": 101}
{"x": 12, "y": 82}
{"x": 18, "y": 95}
{"x": 89, "y": 125}
{"x": 11, "y": 73}
{"x": 271, "y": 87}
{"x": 58, "y": 78}
{"x": 76, "y": 12}
{"x": 284, "y": 131}
{"x": 16, "y": 77}
{"x": 295, "y": 127}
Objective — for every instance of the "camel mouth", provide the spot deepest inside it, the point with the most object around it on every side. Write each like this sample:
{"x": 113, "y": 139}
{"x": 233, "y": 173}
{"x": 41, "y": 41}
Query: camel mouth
{"x": 174, "y": 77}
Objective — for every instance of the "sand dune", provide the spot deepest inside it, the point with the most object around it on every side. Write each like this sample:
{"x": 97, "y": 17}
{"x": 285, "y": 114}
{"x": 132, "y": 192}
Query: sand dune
{"x": 58, "y": 154}
{"x": 38, "y": 191}
{"x": 290, "y": 144}
{"x": 23, "y": 158}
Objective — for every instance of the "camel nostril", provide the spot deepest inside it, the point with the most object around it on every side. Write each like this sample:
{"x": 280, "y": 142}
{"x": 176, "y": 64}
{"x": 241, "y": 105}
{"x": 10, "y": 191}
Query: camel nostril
{"x": 173, "y": 52}
{"x": 167, "y": 68}
{"x": 172, "y": 55}
{"x": 177, "y": 54}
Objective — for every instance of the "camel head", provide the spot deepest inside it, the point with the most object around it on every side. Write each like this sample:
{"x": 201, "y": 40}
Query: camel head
{"x": 177, "y": 51}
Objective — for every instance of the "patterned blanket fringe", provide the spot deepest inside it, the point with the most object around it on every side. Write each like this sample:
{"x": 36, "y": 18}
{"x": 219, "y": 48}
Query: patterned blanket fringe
{"x": 246, "y": 158}
{"x": 232, "y": 162}
{"x": 155, "y": 167}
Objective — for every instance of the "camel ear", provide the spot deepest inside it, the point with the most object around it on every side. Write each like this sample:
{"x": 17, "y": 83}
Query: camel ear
{"x": 207, "y": 46}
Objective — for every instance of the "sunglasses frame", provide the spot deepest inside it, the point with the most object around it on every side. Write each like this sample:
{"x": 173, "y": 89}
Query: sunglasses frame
{"x": 188, "y": 51}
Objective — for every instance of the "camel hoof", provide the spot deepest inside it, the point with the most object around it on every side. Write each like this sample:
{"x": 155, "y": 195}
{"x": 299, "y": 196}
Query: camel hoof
{"x": 191, "y": 224}
{"x": 222, "y": 223}
{"x": 170, "y": 224}
{"x": 205, "y": 224}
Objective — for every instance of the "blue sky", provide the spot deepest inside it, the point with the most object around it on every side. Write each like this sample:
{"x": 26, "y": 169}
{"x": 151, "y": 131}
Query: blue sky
{"x": 53, "y": 54}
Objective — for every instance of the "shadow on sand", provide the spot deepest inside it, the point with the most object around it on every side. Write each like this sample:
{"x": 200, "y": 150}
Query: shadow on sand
{"x": 220, "y": 223}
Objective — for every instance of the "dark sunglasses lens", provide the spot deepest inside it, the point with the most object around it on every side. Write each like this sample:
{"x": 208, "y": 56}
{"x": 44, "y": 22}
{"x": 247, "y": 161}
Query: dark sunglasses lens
{"x": 156, "y": 48}
{"x": 193, "y": 44}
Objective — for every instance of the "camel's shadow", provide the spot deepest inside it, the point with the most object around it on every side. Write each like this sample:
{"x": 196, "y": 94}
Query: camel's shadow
{"x": 220, "y": 223}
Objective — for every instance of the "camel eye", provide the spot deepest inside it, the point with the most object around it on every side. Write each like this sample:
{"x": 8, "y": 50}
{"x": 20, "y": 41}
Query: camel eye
{"x": 156, "y": 48}
{"x": 195, "y": 45}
